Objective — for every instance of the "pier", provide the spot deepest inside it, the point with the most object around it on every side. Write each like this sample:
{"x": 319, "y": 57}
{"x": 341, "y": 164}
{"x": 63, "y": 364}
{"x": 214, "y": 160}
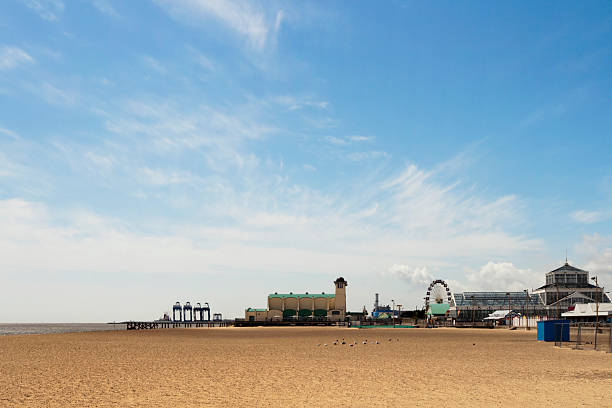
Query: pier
{"x": 188, "y": 316}
{"x": 168, "y": 324}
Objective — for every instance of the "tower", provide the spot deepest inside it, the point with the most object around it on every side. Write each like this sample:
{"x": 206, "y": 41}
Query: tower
{"x": 340, "y": 300}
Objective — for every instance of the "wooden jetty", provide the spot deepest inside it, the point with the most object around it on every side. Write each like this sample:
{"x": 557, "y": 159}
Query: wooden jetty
{"x": 169, "y": 324}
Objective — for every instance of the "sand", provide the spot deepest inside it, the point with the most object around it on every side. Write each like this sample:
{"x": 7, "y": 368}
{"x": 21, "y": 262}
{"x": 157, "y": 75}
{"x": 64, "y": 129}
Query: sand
{"x": 285, "y": 367}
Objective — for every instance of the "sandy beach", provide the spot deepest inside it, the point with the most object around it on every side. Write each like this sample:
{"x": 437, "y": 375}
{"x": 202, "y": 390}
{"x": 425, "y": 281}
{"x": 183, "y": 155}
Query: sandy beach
{"x": 285, "y": 367}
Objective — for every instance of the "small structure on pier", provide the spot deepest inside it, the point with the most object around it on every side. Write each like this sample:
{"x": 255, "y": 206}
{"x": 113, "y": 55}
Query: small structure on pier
{"x": 187, "y": 308}
{"x": 199, "y": 310}
{"x": 216, "y": 317}
{"x": 175, "y": 308}
{"x": 188, "y": 313}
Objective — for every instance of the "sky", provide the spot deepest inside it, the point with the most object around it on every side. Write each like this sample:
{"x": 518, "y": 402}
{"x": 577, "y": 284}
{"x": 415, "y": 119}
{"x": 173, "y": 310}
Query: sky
{"x": 217, "y": 151}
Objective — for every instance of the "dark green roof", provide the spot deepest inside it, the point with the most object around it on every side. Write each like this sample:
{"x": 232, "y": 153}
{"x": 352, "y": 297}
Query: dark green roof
{"x": 250, "y": 309}
{"x": 301, "y": 295}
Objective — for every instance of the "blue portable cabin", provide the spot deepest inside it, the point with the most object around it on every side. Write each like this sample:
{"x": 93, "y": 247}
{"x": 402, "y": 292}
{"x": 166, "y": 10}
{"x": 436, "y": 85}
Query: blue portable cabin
{"x": 553, "y": 330}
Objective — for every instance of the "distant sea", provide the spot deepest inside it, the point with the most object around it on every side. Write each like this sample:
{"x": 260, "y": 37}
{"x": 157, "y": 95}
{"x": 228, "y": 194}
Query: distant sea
{"x": 46, "y": 328}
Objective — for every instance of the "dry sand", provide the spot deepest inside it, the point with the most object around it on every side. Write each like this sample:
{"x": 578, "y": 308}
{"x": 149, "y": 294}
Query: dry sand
{"x": 285, "y": 367}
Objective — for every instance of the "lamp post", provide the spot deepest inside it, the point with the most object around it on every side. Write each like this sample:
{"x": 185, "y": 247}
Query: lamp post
{"x": 399, "y": 314}
{"x": 509, "y": 311}
{"x": 527, "y": 306}
{"x": 472, "y": 299}
{"x": 596, "y": 309}
{"x": 393, "y": 311}
{"x": 558, "y": 301}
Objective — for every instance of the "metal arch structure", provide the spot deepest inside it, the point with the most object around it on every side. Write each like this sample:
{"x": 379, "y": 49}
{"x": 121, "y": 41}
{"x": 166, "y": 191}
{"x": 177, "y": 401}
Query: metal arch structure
{"x": 431, "y": 287}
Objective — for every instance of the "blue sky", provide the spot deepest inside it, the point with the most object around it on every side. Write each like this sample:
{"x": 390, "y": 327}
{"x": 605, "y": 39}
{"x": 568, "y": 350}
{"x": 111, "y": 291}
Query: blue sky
{"x": 154, "y": 151}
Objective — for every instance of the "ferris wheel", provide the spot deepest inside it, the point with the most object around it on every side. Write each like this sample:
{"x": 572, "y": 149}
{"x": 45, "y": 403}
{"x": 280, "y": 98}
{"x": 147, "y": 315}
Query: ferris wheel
{"x": 437, "y": 292}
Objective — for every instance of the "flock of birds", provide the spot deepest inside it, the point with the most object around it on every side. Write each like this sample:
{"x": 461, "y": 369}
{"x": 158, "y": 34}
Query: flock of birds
{"x": 352, "y": 344}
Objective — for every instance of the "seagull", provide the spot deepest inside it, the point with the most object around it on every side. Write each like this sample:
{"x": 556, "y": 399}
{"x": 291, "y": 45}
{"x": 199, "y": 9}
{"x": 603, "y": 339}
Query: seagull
{"x": 343, "y": 342}
{"x": 389, "y": 339}
{"x": 351, "y": 345}
{"x": 377, "y": 342}
{"x": 325, "y": 344}
{"x": 318, "y": 344}
{"x": 364, "y": 342}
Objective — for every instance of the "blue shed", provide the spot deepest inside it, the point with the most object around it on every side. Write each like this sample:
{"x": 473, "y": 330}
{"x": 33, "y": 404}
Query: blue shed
{"x": 553, "y": 330}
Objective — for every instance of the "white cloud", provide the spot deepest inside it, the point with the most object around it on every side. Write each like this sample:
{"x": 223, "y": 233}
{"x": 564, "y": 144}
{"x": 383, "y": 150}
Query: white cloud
{"x": 297, "y": 103}
{"x": 205, "y": 62}
{"x": 105, "y": 7}
{"x": 587, "y": 217}
{"x": 9, "y": 133}
{"x": 53, "y": 95}
{"x": 503, "y": 276}
{"x": 154, "y": 64}
{"x": 158, "y": 177}
{"x": 11, "y": 57}
{"x": 219, "y": 135}
{"x": 414, "y": 276}
{"x": 102, "y": 162}
{"x": 245, "y": 18}
{"x": 597, "y": 250}
{"x": 369, "y": 155}
{"x": 346, "y": 141}
{"x": 309, "y": 167}
{"x": 358, "y": 138}
{"x": 338, "y": 141}
{"x": 47, "y": 9}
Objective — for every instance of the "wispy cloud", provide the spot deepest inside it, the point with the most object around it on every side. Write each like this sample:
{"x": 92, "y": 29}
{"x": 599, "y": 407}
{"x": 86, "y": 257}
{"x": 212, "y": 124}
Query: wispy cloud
{"x": 245, "y": 18}
{"x": 103, "y": 162}
{"x": 12, "y": 57}
{"x": 358, "y": 138}
{"x": 368, "y": 155}
{"x": 9, "y": 133}
{"x": 296, "y": 103}
{"x": 105, "y": 7}
{"x": 159, "y": 177}
{"x": 53, "y": 94}
{"x": 348, "y": 140}
{"x": 49, "y": 10}
{"x": 154, "y": 64}
{"x": 338, "y": 141}
{"x": 217, "y": 133}
{"x": 587, "y": 217}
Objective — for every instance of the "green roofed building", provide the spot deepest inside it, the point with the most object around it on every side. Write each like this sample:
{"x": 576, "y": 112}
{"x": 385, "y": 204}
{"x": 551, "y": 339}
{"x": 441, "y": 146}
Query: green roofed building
{"x": 286, "y": 306}
{"x": 438, "y": 309}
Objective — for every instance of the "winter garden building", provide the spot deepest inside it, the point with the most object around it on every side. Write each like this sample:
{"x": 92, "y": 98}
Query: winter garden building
{"x": 565, "y": 287}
